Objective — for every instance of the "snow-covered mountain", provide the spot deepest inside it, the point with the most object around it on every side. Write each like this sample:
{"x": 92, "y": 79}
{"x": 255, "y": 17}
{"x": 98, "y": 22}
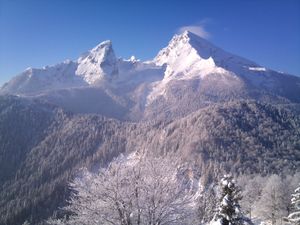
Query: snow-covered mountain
{"x": 97, "y": 67}
{"x": 189, "y": 72}
{"x": 218, "y": 111}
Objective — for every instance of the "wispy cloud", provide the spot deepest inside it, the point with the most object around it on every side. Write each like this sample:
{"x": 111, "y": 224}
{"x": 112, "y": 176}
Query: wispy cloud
{"x": 198, "y": 28}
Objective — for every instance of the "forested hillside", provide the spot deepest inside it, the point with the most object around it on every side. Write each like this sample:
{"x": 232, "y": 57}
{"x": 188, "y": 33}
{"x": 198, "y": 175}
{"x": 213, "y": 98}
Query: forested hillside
{"x": 51, "y": 144}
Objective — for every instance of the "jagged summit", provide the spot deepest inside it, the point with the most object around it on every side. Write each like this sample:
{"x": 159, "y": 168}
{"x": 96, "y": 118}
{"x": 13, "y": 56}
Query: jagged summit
{"x": 185, "y": 41}
{"x": 187, "y": 55}
{"x": 104, "y": 44}
{"x": 99, "y": 63}
{"x": 192, "y": 48}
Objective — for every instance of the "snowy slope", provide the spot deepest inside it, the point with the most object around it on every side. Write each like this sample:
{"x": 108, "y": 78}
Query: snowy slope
{"x": 97, "y": 67}
{"x": 36, "y": 81}
{"x": 190, "y": 57}
{"x": 190, "y": 54}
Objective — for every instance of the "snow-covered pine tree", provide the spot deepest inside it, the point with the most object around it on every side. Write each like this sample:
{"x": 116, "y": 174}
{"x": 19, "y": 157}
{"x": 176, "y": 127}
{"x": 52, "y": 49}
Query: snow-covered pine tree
{"x": 229, "y": 212}
{"x": 294, "y": 217}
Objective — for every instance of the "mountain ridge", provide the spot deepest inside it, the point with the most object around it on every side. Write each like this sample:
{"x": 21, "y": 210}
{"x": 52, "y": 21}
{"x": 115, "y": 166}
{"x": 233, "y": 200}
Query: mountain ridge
{"x": 217, "y": 111}
{"x": 187, "y": 57}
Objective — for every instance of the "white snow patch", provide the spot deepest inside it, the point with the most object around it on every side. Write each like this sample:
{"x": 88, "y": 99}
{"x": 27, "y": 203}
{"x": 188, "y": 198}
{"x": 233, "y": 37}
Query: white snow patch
{"x": 257, "y": 68}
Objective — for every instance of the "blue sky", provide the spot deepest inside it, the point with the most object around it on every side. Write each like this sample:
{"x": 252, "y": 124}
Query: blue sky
{"x": 44, "y": 32}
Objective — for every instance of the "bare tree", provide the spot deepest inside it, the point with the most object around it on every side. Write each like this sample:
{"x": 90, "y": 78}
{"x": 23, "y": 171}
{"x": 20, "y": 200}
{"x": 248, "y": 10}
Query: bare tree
{"x": 271, "y": 206}
{"x": 131, "y": 191}
{"x": 252, "y": 189}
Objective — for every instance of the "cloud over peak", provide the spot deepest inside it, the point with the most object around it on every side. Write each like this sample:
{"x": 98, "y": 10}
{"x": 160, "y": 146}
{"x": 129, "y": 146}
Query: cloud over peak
{"x": 199, "y": 30}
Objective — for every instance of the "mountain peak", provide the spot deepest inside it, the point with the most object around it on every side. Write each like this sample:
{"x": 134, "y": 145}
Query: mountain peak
{"x": 189, "y": 46}
{"x": 187, "y": 40}
{"x": 105, "y": 44}
{"x": 184, "y": 43}
{"x": 188, "y": 35}
{"x": 98, "y": 64}
{"x": 187, "y": 55}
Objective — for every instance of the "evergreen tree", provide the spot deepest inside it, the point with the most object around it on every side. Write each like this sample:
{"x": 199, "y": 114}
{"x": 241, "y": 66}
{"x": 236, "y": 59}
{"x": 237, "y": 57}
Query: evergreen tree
{"x": 229, "y": 212}
{"x": 294, "y": 217}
